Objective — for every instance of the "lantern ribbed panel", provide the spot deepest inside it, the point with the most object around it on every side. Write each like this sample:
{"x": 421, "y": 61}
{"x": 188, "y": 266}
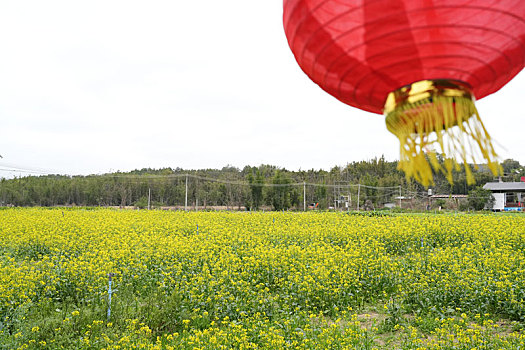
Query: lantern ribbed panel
{"x": 359, "y": 51}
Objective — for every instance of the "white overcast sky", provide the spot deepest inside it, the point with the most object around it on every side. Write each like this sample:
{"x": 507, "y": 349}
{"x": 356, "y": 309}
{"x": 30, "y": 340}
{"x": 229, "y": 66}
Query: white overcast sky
{"x": 93, "y": 86}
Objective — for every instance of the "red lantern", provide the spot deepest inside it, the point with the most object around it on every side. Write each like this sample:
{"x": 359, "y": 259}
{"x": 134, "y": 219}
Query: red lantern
{"x": 419, "y": 62}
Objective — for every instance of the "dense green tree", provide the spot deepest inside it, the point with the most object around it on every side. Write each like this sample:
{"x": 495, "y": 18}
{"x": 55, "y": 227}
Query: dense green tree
{"x": 480, "y": 198}
{"x": 321, "y": 196}
{"x": 281, "y": 192}
{"x": 510, "y": 165}
{"x": 234, "y": 188}
{"x": 256, "y": 189}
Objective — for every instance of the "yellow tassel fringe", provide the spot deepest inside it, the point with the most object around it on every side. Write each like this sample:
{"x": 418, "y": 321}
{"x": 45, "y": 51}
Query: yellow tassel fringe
{"x": 438, "y": 117}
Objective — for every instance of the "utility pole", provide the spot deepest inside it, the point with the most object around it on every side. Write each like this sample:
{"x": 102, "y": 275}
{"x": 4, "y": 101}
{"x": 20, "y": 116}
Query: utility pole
{"x": 196, "y": 184}
{"x": 358, "y": 193}
{"x": 304, "y": 196}
{"x": 335, "y": 198}
{"x": 149, "y": 198}
{"x": 186, "y": 200}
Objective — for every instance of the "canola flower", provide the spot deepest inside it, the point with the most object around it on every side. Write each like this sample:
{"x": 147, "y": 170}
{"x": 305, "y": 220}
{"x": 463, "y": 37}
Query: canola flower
{"x": 259, "y": 280}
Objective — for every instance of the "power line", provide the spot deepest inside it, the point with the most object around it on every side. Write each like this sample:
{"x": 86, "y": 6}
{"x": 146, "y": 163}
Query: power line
{"x": 389, "y": 190}
{"x": 16, "y": 167}
{"x": 22, "y": 171}
{"x": 137, "y": 178}
{"x": 244, "y": 183}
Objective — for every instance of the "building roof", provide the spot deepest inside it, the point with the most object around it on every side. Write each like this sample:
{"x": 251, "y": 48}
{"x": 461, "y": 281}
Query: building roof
{"x": 445, "y": 196}
{"x": 505, "y": 186}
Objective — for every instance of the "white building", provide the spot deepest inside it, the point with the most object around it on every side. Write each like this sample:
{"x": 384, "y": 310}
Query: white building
{"x": 509, "y": 196}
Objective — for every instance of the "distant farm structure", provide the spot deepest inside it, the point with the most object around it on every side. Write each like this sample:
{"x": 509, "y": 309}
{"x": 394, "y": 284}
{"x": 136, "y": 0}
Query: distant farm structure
{"x": 508, "y": 196}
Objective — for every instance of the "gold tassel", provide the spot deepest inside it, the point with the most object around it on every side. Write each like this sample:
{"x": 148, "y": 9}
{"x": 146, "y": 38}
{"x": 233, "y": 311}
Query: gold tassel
{"x": 433, "y": 117}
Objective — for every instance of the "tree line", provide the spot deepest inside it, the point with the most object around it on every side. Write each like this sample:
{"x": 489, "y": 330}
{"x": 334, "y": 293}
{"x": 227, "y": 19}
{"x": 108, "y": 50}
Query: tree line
{"x": 252, "y": 187}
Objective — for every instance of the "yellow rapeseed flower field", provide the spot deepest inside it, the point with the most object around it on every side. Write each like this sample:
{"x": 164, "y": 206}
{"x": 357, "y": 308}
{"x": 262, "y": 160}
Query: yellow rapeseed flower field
{"x": 221, "y": 280}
